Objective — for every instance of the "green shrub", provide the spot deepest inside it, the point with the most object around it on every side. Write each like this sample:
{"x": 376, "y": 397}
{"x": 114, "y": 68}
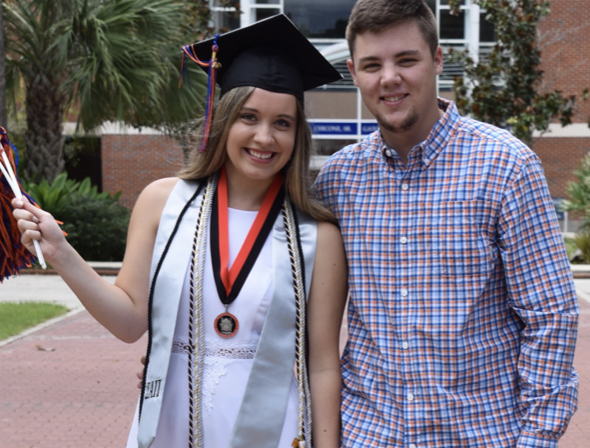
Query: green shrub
{"x": 571, "y": 247}
{"x": 95, "y": 223}
{"x": 96, "y": 227}
{"x": 54, "y": 197}
{"x": 582, "y": 240}
{"x": 574, "y": 253}
{"x": 579, "y": 193}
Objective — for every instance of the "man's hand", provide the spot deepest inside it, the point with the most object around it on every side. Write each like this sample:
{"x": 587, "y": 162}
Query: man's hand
{"x": 140, "y": 373}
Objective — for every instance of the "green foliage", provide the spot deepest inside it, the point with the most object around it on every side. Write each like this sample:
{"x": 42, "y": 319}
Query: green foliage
{"x": 95, "y": 223}
{"x": 579, "y": 203}
{"x": 579, "y": 193}
{"x": 572, "y": 250}
{"x": 55, "y": 196}
{"x": 17, "y": 317}
{"x": 114, "y": 60}
{"x": 504, "y": 90}
{"x": 96, "y": 227}
{"x": 128, "y": 58}
{"x": 583, "y": 243}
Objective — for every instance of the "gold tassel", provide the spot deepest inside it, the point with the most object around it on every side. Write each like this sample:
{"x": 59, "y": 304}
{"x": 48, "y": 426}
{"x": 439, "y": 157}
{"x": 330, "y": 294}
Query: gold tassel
{"x": 298, "y": 442}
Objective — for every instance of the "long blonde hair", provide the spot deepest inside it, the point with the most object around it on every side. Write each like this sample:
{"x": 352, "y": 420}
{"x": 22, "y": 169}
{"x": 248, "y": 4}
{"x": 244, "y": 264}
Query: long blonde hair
{"x": 296, "y": 171}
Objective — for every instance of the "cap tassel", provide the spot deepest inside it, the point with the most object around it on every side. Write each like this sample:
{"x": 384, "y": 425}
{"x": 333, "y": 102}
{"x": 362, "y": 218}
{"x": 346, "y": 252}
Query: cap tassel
{"x": 213, "y": 65}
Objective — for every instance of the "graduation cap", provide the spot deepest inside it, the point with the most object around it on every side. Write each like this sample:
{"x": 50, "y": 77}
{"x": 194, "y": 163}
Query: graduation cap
{"x": 271, "y": 54}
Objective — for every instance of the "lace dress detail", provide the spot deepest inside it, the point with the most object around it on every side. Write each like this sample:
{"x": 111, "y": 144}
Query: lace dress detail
{"x": 181, "y": 348}
{"x": 217, "y": 357}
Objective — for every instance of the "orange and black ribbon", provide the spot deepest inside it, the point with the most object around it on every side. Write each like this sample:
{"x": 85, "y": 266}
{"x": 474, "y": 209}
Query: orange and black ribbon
{"x": 229, "y": 282}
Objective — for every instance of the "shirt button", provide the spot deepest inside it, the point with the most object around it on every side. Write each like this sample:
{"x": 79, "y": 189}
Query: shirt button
{"x": 404, "y": 292}
{"x": 403, "y": 240}
{"x": 412, "y": 446}
{"x": 388, "y": 153}
{"x": 405, "y": 345}
{"x": 405, "y": 187}
{"x": 410, "y": 397}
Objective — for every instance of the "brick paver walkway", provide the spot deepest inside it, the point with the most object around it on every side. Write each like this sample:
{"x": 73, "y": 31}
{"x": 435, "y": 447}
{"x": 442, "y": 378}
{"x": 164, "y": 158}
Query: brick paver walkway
{"x": 83, "y": 393}
{"x": 80, "y": 395}
{"x": 578, "y": 431}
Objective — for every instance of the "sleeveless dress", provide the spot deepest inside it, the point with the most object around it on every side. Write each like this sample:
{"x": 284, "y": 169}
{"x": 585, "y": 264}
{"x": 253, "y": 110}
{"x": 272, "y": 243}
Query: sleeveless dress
{"x": 227, "y": 361}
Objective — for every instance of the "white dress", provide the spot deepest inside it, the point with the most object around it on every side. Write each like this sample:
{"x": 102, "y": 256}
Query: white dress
{"x": 227, "y": 361}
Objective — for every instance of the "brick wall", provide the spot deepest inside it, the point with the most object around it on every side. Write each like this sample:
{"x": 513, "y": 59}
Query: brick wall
{"x": 560, "y": 157}
{"x": 130, "y": 162}
{"x": 564, "y": 37}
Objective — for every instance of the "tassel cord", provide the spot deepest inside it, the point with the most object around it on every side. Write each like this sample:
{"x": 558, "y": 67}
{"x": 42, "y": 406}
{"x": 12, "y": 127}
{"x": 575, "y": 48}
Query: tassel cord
{"x": 213, "y": 65}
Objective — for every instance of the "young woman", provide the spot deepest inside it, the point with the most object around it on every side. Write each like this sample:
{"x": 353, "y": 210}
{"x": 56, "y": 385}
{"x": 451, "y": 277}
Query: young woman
{"x": 231, "y": 266}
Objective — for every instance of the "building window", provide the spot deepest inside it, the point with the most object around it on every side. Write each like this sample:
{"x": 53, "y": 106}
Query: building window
{"x": 261, "y": 9}
{"x": 225, "y": 15}
{"x": 487, "y": 34}
{"x": 467, "y": 30}
{"x": 320, "y": 19}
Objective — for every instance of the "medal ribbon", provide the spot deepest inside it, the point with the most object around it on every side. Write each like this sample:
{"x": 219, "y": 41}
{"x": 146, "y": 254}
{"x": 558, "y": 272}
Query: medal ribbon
{"x": 229, "y": 282}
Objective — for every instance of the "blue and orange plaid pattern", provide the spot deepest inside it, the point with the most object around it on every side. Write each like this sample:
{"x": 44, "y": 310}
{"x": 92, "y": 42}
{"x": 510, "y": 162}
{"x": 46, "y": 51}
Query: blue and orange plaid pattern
{"x": 463, "y": 314}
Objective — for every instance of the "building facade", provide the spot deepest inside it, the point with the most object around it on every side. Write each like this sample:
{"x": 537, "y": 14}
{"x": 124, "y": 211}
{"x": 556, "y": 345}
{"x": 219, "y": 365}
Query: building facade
{"x": 336, "y": 112}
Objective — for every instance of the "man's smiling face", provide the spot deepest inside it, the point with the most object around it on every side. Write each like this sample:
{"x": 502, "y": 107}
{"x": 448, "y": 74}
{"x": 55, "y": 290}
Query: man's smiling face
{"x": 396, "y": 74}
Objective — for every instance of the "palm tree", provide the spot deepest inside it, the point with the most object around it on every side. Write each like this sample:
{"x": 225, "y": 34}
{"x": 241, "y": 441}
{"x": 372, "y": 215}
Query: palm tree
{"x": 3, "y": 115}
{"x": 109, "y": 59}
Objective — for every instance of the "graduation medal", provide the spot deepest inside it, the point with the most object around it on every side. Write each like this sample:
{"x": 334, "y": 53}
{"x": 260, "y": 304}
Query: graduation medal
{"x": 226, "y": 324}
{"x": 229, "y": 282}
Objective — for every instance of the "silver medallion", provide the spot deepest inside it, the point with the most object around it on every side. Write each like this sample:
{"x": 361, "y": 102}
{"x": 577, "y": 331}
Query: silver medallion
{"x": 226, "y": 325}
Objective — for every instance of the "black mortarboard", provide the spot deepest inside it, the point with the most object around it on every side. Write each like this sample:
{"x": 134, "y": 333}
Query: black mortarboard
{"x": 271, "y": 54}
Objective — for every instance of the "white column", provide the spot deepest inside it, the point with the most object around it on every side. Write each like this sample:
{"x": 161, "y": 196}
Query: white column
{"x": 473, "y": 31}
{"x": 246, "y": 13}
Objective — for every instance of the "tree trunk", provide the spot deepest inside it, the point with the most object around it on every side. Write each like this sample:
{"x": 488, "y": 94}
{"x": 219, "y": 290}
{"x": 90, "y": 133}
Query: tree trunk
{"x": 3, "y": 115}
{"x": 44, "y": 139}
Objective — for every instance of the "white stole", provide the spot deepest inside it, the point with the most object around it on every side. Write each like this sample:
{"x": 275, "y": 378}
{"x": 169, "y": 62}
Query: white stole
{"x": 262, "y": 412}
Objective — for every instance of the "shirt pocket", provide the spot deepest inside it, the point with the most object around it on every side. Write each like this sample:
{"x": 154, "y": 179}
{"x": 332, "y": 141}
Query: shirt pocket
{"x": 457, "y": 238}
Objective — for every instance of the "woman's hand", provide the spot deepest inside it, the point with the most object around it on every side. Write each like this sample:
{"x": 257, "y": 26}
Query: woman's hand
{"x": 36, "y": 224}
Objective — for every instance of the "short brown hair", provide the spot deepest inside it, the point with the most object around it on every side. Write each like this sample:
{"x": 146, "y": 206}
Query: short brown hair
{"x": 296, "y": 171}
{"x": 378, "y": 15}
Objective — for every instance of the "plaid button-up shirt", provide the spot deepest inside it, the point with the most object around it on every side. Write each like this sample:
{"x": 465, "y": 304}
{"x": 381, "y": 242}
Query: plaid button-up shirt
{"x": 463, "y": 315}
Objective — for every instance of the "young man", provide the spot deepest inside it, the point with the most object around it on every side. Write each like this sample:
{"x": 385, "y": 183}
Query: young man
{"x": 463, "y": 315}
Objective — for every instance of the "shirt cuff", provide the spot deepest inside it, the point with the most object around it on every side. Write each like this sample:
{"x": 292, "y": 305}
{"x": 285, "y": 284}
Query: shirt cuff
{"x": 533, "y": 440}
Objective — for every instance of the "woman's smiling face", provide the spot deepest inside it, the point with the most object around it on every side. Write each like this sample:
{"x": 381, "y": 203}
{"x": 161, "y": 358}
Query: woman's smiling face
{"x": 261, "y": 140}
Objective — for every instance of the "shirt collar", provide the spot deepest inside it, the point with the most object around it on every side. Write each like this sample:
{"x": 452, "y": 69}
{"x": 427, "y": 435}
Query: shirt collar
{"x": 440, "y": 134}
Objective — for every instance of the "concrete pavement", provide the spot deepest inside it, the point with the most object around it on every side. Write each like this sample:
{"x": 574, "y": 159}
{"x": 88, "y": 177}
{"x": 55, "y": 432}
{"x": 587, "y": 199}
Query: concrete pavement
{"x": 72, "y": 384}
{"x": 44, "y": 288}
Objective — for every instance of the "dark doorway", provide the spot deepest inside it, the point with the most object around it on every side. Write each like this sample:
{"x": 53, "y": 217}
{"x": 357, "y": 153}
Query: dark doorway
{"x": 83, "y": 159}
